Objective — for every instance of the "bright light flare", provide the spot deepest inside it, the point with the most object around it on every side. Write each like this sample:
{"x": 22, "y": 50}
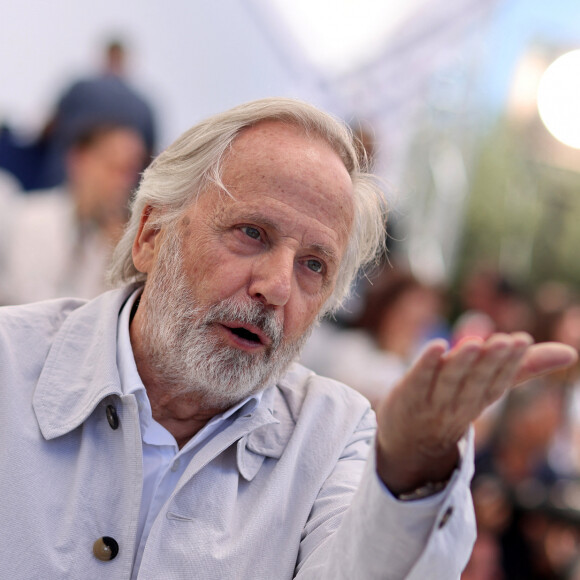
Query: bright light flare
{"x": 559, "y": 99}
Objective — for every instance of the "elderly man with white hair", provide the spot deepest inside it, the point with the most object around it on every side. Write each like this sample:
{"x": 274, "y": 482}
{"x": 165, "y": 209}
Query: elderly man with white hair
{"x": 164, "y": 429}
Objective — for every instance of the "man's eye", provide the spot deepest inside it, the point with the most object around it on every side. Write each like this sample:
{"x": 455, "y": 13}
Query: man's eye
{"x": 253, "y": 233}
{"x": 315, "y": 265}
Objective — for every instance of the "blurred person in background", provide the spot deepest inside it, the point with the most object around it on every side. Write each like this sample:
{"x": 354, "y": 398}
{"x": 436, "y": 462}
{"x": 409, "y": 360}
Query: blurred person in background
{"x": 558, "y": 318}
{"x": 9, "y": 191}
{"x": 484, "y": 563}
{"x": 9, "y": 186}
{"x": 518, "y": 449}
{"x": 399, "y": 314}
{"x": 105, "y": 98}
{"x": 513, "y": 476}
{"x": 549, "y": 536}
{"x": 564, "y": 325}
{"x": 58, "y": 242}
{"x": 525, "y": 490}
{"x": 489, "y": 302}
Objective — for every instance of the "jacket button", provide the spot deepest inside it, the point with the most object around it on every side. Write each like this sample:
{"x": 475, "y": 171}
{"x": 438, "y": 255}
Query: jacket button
{"x": 112, "y": 416}
{"x": 446, "y": 516}
{"x": 105, "y": 548}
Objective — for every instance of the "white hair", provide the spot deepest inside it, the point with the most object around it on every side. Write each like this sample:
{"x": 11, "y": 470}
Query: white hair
{"x": 178, "y": 175}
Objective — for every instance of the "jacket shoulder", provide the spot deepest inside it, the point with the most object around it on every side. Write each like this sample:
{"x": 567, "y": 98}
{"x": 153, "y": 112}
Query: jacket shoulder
{"x": 28, "y": 325}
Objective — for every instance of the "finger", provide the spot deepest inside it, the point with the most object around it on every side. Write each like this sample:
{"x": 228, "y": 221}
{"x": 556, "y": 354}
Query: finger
{"x": 502, "y": 377}
{"x": 499, "y": 355}
{"x": 421, "y": 374}
{"x": 544, "y": 358}
{"x": 455, "y": 368}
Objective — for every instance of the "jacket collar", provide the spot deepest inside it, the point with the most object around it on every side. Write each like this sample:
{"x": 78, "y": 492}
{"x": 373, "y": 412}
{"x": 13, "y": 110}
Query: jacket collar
{"x": 81, "y": 366}
{"x": 279, "y": 410}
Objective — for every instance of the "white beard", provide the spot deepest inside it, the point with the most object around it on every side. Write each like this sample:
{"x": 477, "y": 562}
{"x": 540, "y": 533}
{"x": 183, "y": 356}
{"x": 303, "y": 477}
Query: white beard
{"x": 181, "y": 345}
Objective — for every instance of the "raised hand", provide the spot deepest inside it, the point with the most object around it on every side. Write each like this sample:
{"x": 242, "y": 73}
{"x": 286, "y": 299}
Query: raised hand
{"x": 423, "y": 418}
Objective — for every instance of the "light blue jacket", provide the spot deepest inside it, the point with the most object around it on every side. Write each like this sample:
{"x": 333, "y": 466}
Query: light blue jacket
{"x": 267, "y": 498}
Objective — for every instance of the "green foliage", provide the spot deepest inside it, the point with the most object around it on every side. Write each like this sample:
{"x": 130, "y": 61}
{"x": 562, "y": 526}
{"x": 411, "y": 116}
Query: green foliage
{"x": 523, "y": 215}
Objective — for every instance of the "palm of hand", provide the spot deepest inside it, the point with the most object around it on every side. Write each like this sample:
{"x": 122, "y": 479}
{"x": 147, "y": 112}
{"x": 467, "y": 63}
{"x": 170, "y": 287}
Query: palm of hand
{"x": 424, "y": 417}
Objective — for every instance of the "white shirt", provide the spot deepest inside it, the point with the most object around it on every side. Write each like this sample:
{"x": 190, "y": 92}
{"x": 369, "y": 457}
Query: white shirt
{"x": 163, "y": 461}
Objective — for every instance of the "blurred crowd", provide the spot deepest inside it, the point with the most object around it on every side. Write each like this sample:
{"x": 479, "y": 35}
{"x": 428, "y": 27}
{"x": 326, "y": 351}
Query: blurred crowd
{"x": 526, "y": 487}
{"x": 65, "y": 199}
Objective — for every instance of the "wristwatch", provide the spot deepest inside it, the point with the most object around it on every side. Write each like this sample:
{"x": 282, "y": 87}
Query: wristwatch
{"x": 424, "y": 491}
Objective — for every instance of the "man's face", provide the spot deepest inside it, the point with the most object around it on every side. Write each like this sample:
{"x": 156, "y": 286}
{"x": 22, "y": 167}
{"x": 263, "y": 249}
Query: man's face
{"x": 274, "y": 247}
{"x": 103, "y": 174}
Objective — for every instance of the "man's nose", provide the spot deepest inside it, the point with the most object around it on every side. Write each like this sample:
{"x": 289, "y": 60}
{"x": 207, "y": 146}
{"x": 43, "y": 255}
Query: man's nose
{"x": 272, "y": 278}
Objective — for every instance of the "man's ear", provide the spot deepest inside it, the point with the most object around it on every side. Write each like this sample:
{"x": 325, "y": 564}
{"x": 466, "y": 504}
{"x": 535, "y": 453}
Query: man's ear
{"x": 144, "y": 246}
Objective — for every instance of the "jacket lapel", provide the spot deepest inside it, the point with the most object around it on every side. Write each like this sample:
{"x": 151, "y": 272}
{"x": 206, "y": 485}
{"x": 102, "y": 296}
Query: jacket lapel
{"x": 80, "y": 369}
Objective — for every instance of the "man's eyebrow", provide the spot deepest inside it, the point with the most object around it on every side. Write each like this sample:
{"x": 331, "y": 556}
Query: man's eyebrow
{"x": 327, "y": 253}
{"x": 257, "y": 218}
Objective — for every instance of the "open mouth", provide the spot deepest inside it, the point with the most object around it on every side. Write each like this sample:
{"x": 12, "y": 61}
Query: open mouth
{"x": 246, "y": 335}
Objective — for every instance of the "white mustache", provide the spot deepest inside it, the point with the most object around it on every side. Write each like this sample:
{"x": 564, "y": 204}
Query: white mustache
{"x": 254, "y": 313}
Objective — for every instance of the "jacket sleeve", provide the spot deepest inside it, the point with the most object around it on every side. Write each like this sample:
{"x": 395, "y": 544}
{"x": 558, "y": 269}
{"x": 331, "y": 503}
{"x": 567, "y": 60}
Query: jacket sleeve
{"x": 380, "y": 537}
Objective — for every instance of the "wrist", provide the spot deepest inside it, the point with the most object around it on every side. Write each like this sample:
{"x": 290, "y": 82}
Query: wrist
{"x": 408, "y": 476}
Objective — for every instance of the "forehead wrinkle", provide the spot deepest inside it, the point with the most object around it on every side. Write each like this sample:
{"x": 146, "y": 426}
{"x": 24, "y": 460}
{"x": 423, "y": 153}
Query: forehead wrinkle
{"x": 247, "y": 168}
{"x": 344, "y": 226}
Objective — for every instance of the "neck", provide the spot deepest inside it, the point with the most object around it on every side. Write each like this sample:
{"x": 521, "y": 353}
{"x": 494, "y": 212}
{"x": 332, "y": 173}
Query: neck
{"x": 183, "y": 414}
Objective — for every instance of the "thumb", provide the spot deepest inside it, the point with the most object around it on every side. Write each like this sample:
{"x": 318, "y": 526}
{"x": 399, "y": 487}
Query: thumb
{"x": 545, "y": 357}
